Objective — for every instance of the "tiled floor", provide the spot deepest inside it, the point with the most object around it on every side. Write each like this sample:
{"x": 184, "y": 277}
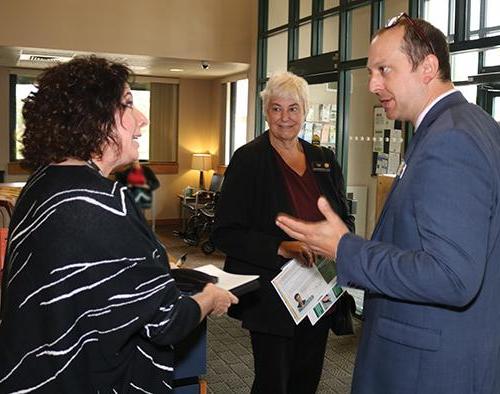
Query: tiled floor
{"x": 230, "y": 362}
{"x": 229, "y": 356}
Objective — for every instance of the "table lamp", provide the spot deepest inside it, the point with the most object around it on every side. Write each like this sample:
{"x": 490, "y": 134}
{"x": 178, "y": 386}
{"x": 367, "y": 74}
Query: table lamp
{"x": 201, "y": 162}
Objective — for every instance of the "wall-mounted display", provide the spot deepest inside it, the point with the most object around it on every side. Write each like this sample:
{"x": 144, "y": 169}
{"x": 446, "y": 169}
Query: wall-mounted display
{"x": 320, "y": 125}
{"x": 387, "y": 143}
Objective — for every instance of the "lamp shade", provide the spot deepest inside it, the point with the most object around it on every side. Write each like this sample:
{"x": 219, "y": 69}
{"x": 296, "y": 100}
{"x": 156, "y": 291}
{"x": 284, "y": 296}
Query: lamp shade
{"x": 201, "y": 162}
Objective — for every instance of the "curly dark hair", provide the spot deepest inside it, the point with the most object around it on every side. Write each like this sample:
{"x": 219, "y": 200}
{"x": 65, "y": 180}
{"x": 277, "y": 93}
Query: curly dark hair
{"x": 72, "y": 114}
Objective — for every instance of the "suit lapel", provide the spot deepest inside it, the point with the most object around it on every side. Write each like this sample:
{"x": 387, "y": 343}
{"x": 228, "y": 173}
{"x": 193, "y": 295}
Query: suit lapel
{"x": 434, "y": 113}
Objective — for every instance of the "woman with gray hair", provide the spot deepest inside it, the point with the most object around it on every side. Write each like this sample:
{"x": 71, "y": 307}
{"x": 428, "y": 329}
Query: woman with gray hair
{"x": 277, "y": 172}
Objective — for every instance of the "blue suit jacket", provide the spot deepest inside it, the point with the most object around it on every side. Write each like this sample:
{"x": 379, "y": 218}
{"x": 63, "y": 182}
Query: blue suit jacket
{"x": 432, "y": 268}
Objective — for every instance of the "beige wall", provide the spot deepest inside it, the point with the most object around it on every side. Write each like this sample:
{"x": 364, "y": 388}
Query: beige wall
{"x": 200, "y": 127}
{"x": 198, "y": 133}
{"x": 218, "y": 30}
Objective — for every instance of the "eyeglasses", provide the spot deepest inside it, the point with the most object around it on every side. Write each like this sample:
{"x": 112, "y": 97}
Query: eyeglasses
{"x": 394, "y": 21}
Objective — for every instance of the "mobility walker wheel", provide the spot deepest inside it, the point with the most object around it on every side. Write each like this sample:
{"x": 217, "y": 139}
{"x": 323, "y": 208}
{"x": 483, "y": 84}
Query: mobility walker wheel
{"x": 207, "y": 247}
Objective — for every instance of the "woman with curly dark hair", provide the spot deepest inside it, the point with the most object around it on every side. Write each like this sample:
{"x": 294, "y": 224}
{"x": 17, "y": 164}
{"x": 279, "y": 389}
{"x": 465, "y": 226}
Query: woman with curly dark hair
{"x": 88, "y": 302}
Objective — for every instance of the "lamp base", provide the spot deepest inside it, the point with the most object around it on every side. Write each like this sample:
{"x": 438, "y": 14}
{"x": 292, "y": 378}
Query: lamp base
{"x": 202, "y": 181}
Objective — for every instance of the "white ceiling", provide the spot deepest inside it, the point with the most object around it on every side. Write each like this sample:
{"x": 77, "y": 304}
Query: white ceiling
{"x": 141, "y": 65}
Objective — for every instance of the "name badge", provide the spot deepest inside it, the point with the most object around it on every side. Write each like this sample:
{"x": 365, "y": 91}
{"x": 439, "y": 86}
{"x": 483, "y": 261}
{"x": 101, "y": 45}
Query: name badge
{"x": 401, "y": 169}
{"x": 318, "y": 166}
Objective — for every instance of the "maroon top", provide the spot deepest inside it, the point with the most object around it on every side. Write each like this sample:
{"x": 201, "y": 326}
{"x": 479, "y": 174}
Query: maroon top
{"x": 303, "y": 191}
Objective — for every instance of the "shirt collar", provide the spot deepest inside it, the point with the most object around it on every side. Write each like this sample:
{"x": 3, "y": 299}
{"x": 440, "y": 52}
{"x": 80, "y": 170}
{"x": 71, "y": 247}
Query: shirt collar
{"x": 432, "y": 104}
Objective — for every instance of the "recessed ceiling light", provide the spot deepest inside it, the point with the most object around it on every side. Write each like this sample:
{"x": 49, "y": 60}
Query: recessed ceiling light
{"x": 138, "y": 68}
{"x": 43, "y": 57}
{"x": 176, "y": 70}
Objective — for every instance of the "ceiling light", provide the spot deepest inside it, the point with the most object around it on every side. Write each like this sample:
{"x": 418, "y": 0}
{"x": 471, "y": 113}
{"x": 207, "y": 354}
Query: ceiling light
{"x": 176, "y": 70}
{"x": 44, "y": 57}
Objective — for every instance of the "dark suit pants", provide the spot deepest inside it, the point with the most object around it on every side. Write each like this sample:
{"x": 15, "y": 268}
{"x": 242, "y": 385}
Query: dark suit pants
{"x": 290, "y": 365}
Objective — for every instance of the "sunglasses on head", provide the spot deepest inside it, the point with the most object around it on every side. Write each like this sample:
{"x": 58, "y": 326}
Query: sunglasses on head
{"x": 411, "y": 23}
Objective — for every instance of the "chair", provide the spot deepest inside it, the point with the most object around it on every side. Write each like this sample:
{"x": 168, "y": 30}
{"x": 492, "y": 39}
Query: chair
{"x": 202, "y": 215}
{"x": 216, "y": 182}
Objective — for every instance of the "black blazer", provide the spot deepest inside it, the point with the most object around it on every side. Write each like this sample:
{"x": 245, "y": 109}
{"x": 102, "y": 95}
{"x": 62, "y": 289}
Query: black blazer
{"x": 252, "y": 195}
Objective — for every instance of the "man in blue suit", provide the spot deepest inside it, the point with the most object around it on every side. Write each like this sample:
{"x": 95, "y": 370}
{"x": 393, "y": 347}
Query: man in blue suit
{"x": 432, "y": 268}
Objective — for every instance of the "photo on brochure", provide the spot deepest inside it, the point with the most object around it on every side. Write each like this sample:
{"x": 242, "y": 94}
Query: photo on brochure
{"x": 308, "y": 291}
{"x": 325, "y": 304}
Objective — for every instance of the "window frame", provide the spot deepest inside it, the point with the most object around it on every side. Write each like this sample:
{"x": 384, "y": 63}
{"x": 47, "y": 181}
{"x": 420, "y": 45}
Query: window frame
{"x": 231, "y": 92}
{"x": 342, "y": 63}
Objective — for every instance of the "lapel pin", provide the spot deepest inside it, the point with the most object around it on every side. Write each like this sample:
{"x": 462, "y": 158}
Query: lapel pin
{"x": 321, "y": 167}
{"x": 401, "y": 169}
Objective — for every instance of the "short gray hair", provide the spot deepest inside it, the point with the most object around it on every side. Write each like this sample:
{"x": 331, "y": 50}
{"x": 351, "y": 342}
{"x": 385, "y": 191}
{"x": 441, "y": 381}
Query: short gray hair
{"x": 285, "y": 84}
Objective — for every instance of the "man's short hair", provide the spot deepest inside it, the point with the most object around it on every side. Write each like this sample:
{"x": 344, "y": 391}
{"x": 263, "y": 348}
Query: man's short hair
{"x": 416, "y": 49}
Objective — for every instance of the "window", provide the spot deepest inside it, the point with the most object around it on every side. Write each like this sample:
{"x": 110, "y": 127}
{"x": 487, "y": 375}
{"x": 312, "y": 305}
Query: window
{"x": 474, "y": 45}
{"x": 359, "y": 26}
{"x": 278, "y": 13}
{"x": 331, "y": 3}
{"x": 21, "y": 87}
{"x": 163, "y": 147}
{"x": 440, "y": 13}
{"x": 142, "y": 97}
{"x": 496, "y": 109}
{"x": 304, "y": 40}
{"x": 305, "y": 7}
{"x": 469, "y": 92}
{"x": 492, "y": 57}
{"x": 236, "y": 117}
{"x": 331, "y": 34}
{"x": 483, "y": 18}
{"x": 276, "y": 53}
{"x": 463, "y": 65}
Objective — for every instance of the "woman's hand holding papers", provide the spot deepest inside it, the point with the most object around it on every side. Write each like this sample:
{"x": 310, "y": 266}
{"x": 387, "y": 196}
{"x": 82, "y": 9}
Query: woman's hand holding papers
{"x": 214, "y": 300}
{"x": 298, "y": 251}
